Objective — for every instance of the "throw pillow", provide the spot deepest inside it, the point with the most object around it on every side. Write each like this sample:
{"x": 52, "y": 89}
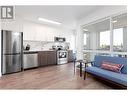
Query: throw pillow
{"x": 111, "y": 66}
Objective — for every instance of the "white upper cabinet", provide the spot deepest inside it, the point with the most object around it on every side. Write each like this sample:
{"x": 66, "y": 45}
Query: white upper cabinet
{"x": 28, "y": 31}
{"x": 33, "y": 32}
{"x": 38, "y": 32}
{"x": 51, "y": 34}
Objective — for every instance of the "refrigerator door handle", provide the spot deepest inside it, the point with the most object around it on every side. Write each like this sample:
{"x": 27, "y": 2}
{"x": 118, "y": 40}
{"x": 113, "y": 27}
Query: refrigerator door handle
{"x": 12, "y": 53}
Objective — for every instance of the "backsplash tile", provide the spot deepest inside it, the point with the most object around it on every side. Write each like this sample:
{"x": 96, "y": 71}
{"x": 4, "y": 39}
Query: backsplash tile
{"x": 38, "y": 45}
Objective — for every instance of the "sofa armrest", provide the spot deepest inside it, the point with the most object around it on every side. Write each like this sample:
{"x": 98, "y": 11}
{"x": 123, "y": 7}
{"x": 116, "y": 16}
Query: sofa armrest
{"x": 91, "y": 62}
{"x": 86, "y": 65}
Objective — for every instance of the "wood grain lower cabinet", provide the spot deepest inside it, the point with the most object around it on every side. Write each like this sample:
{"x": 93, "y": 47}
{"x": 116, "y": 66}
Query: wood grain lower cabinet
{"x": 51, "y": 57}
{"x": 42, "y": 58}
{"x": 47, "y": 58}
{"x": 70, "y": 55}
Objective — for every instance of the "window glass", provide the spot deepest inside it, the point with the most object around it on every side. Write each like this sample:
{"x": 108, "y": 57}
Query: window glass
{"x": 85, "y": 39}
{"x": 97, "y": 35}
{"x": 120, "y": 33}
{"x": 105, "y": 40}
{"x": 103, "y": 35}
{"x": 118, "y": 39}
{"x": 72, "y": 42}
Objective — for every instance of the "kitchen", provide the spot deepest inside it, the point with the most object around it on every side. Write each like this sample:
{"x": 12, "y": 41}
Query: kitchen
{"x": 41, "y": 44}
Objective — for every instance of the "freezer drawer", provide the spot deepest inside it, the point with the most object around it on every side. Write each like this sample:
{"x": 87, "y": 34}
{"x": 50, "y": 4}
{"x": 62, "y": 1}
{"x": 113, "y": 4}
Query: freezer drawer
{"x": 30, "y": 60}
{"x": 11, "y": 63}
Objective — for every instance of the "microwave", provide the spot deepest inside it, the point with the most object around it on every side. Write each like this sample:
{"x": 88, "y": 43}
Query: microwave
{"x": 59, "y": 39}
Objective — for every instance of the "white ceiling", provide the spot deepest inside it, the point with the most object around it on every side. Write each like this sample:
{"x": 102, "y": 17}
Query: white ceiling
{"x": 67, "y": 15}
{"x": 105, "y": 25}
{"x": 100, "y": 26}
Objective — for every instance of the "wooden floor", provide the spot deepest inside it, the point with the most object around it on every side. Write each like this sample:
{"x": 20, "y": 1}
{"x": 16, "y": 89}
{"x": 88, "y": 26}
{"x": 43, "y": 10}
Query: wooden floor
{"x": 52, "y": 77}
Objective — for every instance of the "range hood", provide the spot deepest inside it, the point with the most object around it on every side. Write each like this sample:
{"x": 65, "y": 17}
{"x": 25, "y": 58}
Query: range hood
{"x": 59, "y": 39}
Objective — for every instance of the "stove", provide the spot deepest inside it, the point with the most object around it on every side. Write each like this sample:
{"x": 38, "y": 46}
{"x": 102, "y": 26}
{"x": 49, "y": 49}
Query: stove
{"x": 62, "y": 53}
{"x": 62, "y": 56}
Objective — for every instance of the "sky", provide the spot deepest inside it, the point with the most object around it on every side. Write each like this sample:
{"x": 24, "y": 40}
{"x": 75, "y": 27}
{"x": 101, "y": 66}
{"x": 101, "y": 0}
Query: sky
{"x": 105, "y": 37}
{"x": 117, "y": 37}
{"x": 84, "y": 38}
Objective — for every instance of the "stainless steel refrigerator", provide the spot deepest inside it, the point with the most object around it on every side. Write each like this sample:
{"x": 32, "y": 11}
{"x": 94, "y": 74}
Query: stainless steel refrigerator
{"x": 12, "y": 51}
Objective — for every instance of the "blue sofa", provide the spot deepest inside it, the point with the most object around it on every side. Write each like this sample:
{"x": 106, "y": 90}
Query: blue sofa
{"x": 117, "y": 78}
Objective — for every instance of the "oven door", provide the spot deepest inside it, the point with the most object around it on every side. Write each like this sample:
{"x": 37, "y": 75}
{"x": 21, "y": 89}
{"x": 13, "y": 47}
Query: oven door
{"x": 62, "y": 57}
{"x": 62, "y": 54}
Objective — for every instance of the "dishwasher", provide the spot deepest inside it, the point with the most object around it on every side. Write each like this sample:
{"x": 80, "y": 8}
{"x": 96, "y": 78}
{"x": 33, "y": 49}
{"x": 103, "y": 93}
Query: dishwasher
{"x": 30, "y": 60}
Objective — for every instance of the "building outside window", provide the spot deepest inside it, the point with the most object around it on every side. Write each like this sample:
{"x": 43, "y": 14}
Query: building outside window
{"x": 85, "y": 40}
{"x": 105, "y": 40}
{"x": 118, "y": 39}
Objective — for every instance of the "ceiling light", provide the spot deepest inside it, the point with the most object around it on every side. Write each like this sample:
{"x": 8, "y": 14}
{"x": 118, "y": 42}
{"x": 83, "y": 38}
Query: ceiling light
{"x": 114, "y": 21}
{"x": 49, "y": 21}
{"x": 85, "y": 29}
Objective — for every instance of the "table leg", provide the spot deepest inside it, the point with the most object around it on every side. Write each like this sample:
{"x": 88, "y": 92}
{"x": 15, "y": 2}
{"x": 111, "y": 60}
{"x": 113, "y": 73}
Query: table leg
{"x": 74, "y": 67}
{"x": 80, "y": 69}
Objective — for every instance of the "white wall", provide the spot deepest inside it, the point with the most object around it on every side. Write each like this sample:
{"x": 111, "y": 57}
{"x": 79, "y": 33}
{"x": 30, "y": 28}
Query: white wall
{"x": 98, "y": 14}
{"x": 14, "y": 25}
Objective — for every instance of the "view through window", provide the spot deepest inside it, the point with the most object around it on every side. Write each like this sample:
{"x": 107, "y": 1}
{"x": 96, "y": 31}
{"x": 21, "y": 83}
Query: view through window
{"x": 84, "y": 39}
{"x": 105, "y": 40}
{"x": 118, "y": 39}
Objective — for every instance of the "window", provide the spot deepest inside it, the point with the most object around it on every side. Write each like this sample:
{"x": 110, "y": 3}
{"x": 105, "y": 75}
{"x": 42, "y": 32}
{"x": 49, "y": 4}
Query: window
{"x": 105, "y": 40}
{"x": 72, "y": 42}
{"x": 100, "y": 36}
{"x": 120, "y": 33}
{"x": 85, "y": 39}
{"x": 118, "y": 39}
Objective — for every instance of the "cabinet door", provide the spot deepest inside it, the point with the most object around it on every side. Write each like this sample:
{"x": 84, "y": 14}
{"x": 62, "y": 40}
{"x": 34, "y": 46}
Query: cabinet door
{"x": 51, "y": 57}
{"x": 42, "y": 58}
{"x": 70, "y": 56}
{"x": 40, "y": 34}
{"x": 28, "y": 31}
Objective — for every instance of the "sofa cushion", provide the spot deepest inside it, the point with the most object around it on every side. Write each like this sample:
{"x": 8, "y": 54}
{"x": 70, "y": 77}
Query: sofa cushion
{"x": 113, "y": 76}
{"x": 111, "y": 66}
{"x": 118, "y": 60}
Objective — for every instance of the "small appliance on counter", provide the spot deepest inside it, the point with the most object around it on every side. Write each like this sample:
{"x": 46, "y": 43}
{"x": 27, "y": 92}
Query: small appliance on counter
{"x": 27, "y": 47}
